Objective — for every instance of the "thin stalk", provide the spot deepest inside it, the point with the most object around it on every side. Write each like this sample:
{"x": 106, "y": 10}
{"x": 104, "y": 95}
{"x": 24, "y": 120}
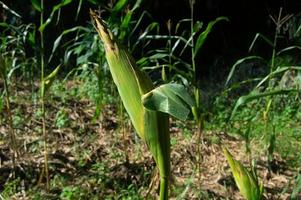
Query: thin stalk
{"x": 169, "y": 48}
{"x": 269, "y": 100}
{"x": 196, "y": 92}
{"x": 13, "y": 139}
{"x": 45, "y": 134}
{"x": 122, "y": 129}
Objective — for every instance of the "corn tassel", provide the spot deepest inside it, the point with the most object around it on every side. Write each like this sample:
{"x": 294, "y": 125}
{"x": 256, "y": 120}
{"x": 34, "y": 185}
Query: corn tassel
{"x": 151, "y": 126}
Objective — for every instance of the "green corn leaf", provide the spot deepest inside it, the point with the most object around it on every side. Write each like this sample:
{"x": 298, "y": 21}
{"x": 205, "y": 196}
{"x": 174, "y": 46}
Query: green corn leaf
{"x": 47, "y": 82}
{"x": 59, "y": 39}
{"x": 169, "y": 98}
{"x": 239, "y": 62}
{"x": 257, "y": 36}
{"x": 203, "y": 36}
{"x": 279, "y": 71}
{"x": 253, "y": 96}
{"x": 245, "y": 180}
{"x": 37, "y": 5}
{"x": 54, "y": 10}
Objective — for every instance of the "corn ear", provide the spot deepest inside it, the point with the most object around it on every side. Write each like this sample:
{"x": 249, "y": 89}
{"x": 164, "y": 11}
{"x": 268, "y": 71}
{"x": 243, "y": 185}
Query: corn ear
{"x": 246, "y": 181}
{"x": 151, "y": 126}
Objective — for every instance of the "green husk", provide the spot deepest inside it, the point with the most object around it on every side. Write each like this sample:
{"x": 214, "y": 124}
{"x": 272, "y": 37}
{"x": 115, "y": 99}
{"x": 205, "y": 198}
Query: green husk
{"x": 151, "y": 126}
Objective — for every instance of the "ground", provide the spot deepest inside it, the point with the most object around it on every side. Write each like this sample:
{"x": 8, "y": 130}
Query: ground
{"x": 105, "y": 159}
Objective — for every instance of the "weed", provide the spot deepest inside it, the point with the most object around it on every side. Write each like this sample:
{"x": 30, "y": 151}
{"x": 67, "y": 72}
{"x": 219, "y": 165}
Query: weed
{"x": 61, "y": 119}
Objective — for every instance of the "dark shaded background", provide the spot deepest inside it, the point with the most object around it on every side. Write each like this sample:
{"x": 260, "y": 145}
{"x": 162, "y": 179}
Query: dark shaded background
{"x": 228, "y": 42}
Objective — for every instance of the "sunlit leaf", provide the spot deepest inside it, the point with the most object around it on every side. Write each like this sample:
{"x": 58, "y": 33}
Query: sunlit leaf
{"x": 253, "y": 96}
{"x": 47, "y": 82}
{"x": 169, "y": 98}
{"x": 278, "y": 71}
{"x": 246, "y": 182}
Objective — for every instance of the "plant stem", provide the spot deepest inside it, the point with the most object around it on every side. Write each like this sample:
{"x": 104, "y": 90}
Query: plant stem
{"x": 164, "y": 188}
{"x": 196, "y": 92}
{"x": 13, "y": 139}
{"x": 269, "y": 100}
{"x": 45, "y": 135}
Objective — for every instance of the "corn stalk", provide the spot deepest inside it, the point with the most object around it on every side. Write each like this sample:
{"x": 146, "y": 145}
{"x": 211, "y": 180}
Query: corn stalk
{"x": 146, "y": 105}
{"x": 13, "y": 138}
{"x": 131, "y": 83}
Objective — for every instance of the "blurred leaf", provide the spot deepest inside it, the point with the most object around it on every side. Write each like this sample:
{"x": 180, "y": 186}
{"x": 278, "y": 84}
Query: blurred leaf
{"x": 288, "y": 49}
{"x": 169, "y": 98}
{"x": 2, "y": 67}
{"x": 158, "y": 56}
{"x": 54, "y": 10}
{"x": 202, "y": 37}
{"x": 58, "y": 39}
{"x": 137, "y": 5}
{"x": 9, "y": 10}
{"x": 258, "y": 35}
{"x": 148, "y": 29}
{"x": 246, "y": 182}
{"x": 47, "y": 82}
{"x": 78, "y": 9}
{"x": 1, "y": 103}
{"x": 240, "y": 61}
{"x": 296, "y": 191}
{"x": 125, "y": 25}
{"x": 142, "y": 62}
{"x": 299, "y": 78}
{"x": 118, "y": 7}
{"x": 37, "y": 5}
{"x": 248, "y": 98}
{"x": 179, "y": 24}
{"x": 197, "y": 26}
{"x": 278, "y": 71}
{"x": 93, "y": 1}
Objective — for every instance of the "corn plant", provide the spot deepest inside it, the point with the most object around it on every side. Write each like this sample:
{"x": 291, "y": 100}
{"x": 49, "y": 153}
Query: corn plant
{"x": 246, "y": 181}
{"x": 147, "y": 106}
{"x": 267, "y": 82}
{"x": 12, "y": 135}
{"x": 13, "y": 61}
{"x": 175, "y": 68}
{"x": 46, "y": 81}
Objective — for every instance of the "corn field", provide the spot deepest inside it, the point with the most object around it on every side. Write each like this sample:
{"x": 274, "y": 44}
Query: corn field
{"x": 133, "y": 99}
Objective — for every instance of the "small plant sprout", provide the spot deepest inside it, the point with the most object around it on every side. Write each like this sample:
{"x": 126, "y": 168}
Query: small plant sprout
{"x": 246, "y": 181}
